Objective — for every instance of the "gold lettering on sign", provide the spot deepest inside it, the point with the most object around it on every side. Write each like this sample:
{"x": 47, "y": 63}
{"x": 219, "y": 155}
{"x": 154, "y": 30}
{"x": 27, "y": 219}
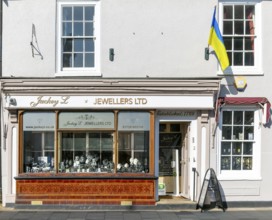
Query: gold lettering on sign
{"x": 41, "y": 100}
{"x": 120, "y": 101}
{"x": 176, "y": 113}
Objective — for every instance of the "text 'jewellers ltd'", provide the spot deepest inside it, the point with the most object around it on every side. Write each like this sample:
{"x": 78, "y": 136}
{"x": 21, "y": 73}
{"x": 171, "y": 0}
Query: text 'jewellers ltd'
{"x": 66, "y": 100}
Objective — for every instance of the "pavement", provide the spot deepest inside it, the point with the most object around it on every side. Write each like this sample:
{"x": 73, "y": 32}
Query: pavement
{"x": 215, "y": 214}
{"x": 168, "y": 209}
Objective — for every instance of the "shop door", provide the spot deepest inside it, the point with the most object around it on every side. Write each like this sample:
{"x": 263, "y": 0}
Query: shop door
{"x": 170, "y": 145}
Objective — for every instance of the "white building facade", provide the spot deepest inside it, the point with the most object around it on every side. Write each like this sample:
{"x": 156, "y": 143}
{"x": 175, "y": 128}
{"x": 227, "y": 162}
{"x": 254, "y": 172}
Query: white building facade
{"x": 113, "y": 102}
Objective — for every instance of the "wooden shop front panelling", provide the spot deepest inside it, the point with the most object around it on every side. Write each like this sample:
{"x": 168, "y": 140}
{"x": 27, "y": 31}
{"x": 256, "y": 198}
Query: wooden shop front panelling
{"x": 87, "y": 191}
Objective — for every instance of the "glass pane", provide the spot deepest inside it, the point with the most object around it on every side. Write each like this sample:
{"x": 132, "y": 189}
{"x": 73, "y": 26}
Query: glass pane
{"x": 248, "y": 148}
{"x": 174, "y": 127}
{"x": 249, "y": 43}
{"x": 250, "y": 30}
{"x": 247, "y": 163}
{"x": 226, "y": 133}
{"x": 238, "y": 43}
{"x": 78, "y": 13}
{"x": 228, "y": 43}
{"x": 32, "y": 150}
{"x": 249, "y": 59}
{"x": 49, "y": 141}
{"x": 171, "y": 140}
{"x": 228, "y": 12}
{"x": 80, "y": 143}
{"x": 238, "y": 11}
{"x": 67, "y": 29}
{"x": 66, "y": 13}
{"x": 89, "y": 29}
{"x": 163, "y": 127}
{"x": 133, "y": 154}
{"x": 94, "y": 142}
{"x": 89, "y": 60}
{"x": 238, "y": 118}
{"x": 78, "y": 60}
{"x": 89, "y": 45}
{"x": 106, "y": 155}
{"x": 236, "y": 163}
{"x": 227, "y": 117}
{"x": 89, "y": 13}
{"x": 67, "y": 60}
{"x": 238, "y": 27}
{"x": 78, "y": 45}
{"x": 250, "y": 11}
{"x": 225, "y": 163}
{"x": 237, "y": 133}
{"x": 225, "y": 148}
{"x": 67, "y": 141}
{"x": 230, "y": 57}
{"x": 67, "y": 45}
{"x": 238, "y": 58}
{"x": 227, "y": 27}
{"x": 249, "y": 118}
{"x": 78, "y": 28}
{"x": 124, "y": 142}
{"x": 249, "y": 133}
{"x": 236, "y": 148}
{"x": 107, "y": 141}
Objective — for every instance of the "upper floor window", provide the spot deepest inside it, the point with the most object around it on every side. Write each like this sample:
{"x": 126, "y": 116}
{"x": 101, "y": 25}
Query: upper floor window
{"x": 78, "y": 43}
{"x": 241, "y": 34}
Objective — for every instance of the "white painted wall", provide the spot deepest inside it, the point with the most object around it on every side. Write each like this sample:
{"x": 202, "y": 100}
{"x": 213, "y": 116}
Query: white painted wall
{"x": 257, "y": 86}
{"x": 157, "y": 38}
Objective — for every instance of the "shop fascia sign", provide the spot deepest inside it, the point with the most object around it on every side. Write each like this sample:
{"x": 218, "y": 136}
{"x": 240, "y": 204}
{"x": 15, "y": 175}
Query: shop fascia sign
{"x": 110, "y": 102}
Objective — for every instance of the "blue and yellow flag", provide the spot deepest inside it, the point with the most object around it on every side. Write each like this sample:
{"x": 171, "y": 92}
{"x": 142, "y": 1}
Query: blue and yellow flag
{"x": 216, "y": 41}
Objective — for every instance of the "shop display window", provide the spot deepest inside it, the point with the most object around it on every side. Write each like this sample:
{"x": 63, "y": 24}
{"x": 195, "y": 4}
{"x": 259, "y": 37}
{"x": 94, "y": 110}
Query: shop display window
{"x": 86, "y": 152}
{"x": 85, "y": 142}
{"x": 237, "y": 140}
{"x": 133, "y": 142}
{"x": 38, "y": 142}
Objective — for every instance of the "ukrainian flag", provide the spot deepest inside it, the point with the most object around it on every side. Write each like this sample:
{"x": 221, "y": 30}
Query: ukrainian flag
{"x": 216, "y": 41}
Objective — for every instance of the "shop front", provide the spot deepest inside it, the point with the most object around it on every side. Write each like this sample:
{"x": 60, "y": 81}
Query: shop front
{"x": 100, "y": 147}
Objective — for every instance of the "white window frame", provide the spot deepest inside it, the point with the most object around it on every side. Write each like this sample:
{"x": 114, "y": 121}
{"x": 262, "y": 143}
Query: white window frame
{"x": 255, "y": 173}
{"x": 78, "y": 71}
{"x": 257, "y": 69}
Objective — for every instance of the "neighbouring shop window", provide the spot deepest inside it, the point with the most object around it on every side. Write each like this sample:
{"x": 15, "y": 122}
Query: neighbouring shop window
{"x": 238, "y": 140}
{"x": 38, "y": 141}
{"x": 133, "y": 142}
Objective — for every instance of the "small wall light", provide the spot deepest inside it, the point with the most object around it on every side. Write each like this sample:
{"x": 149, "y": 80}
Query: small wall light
{"x": 12, "y": 101}
{"x": 207, "y": 53}
{"x": 111, "y": 54}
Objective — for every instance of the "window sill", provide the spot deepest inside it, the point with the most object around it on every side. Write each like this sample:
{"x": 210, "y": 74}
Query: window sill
{"x": 78, "y": 73}
{"x": 26, "y": 176}
{"x": 241, "y": 71}
{"x": 247, "y": 177}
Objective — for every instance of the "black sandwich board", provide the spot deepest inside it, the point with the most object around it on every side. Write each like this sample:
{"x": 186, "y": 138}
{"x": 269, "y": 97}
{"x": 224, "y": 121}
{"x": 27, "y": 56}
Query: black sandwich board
{"x": 210, "y": 195}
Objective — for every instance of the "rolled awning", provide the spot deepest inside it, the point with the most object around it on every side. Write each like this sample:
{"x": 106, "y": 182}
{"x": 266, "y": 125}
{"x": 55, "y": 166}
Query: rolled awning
{"x": 261, "y": 101}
